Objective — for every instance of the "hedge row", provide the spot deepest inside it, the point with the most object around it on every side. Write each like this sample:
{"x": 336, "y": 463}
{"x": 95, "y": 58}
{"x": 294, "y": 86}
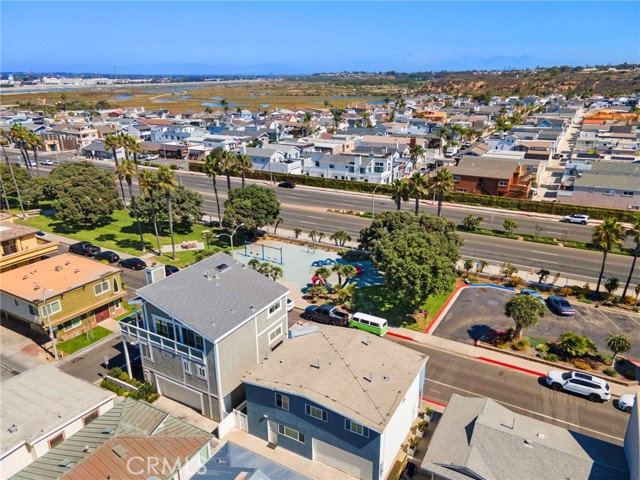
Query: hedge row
{"x": 453, "y": 197}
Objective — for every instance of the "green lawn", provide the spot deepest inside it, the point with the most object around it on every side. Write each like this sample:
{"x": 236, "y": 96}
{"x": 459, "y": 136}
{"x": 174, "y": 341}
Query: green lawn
{"x": 78, "y": 343}
{"x": 121, "y": 233}
{"x": 128, "y": 311}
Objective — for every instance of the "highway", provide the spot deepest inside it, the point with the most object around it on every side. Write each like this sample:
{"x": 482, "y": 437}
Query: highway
{"x": 306, "y": 207}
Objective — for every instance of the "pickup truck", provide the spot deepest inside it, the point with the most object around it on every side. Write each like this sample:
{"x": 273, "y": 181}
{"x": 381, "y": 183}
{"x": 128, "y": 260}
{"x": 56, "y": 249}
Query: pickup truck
{"x": 87, "y": 249}
{"x": 326, "y": 314}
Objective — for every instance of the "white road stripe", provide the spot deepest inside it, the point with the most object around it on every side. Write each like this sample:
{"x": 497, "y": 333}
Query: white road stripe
{"x": 632, "y": 318}
{"x": 545, "y": 253}
{"x": 607, "y": 318}
{"x": 582, "y": 316}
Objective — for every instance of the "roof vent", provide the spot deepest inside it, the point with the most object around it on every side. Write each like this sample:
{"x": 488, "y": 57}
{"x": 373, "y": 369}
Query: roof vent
{"x": 77, "y": 270}
{"x": 25, "y": 277}
{"x": 206, "y": 275}
{"x": 540, "y": 436}
{"x": 317, "y": 364}
{"x": 527, "y": 443}
{"x": 85, "y": 449}
{"x": 36, "y": 287}
{"x": 67, "y": 462}
{"x": 369, "y": 378}
{"x": 119, "y": 450}
{"x": 13, "y": 428}
{"x": 68, "y": 262}
{"x": 223, "y": 267}
{"x": 386, "y": 378}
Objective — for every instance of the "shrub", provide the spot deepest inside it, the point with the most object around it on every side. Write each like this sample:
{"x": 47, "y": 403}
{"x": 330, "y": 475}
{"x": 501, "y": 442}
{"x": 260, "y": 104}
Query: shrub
{"x": 115, "y": 372}
{"x": 603, "y": 358}
{"x": 574, "y": 345}
{"x": 566, "y": 291}
{"x": 610, "y": 372}
{"x": 173, "y": 167}
{"x": 552, "y": 357}
{"x": 501, "y": 345}
{"x": 543, "y": 348}
{"x": 124, "y": 376}
{"x": 422, "y": 425}
{"x": 516, "y": 281}
{"x": 629, "y": 373}
{"x": 521, "y": 344}
{"x": 581, "y": 364}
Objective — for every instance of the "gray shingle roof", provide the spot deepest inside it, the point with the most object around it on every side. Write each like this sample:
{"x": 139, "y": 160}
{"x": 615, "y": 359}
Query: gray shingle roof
{"x": 483, "y": 167}
{"x": 613, "y": 175}
{"x": 215, "y": 305}
{"x": 484, "y": 438}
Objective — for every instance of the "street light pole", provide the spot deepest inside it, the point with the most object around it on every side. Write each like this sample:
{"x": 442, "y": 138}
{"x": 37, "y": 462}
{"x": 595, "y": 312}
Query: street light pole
{"x": 46, "y": 309}
{"x": 230, "y": 236}
{"x": 373, "y": 202}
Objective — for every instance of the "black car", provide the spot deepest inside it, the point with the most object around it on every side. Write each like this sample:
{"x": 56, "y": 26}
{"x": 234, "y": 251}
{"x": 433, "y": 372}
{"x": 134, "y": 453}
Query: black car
{"x": 326, "y": 314}
{"x": 287, "y": 185}
{"x": 87, "y": 249}
{"x": 170, "y": 270}
{"x": 133, "y": 263}
{"x": 108, "y": 255}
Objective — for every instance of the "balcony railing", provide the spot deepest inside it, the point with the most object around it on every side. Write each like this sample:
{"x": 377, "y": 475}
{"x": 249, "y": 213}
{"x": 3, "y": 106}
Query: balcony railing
{"x": 128, "y": 326}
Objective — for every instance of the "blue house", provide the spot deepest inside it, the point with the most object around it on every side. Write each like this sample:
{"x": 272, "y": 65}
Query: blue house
{"x": 339, "y": 396}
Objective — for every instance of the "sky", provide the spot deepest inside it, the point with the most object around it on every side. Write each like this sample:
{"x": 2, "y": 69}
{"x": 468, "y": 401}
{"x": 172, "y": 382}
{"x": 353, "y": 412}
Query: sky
{"x": 271, "y": 37}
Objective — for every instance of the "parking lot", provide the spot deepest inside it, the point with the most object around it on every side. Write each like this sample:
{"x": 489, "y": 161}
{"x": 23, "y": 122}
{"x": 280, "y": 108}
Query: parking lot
{"x": 480, "y": 310}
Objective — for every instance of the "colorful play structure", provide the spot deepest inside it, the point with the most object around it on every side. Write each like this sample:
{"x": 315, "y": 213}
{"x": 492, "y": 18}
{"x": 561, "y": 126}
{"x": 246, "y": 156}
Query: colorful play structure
{"x": 323, "y": 263}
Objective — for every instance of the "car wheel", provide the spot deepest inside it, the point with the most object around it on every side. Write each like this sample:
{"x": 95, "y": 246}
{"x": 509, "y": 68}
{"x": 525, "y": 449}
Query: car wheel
{"x": 583, "y": 223}
{"x": 331, "y": 322}
{"x": 594, "y": 398}
{"x": 628, "y": 409}
{"x": 556, "y": 387}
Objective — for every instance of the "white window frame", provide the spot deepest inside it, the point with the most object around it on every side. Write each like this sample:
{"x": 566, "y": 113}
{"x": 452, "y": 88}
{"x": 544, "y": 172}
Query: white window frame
{"x": 273, "y": 338}
{"x": 503, "y": 183}
{"x": 50, "y": 309}
{"x": 201, "y": 371}
{"x": 149, "y": 349}
{"x": 186, "y": 366}
{"x": 349, "y": 425}
{"x": 101, "y": 286}
{"x": 627, "y": 193}
{"x": 456, "y": 178}
{"x": 66, "y": 329}
{"x": 283, "y": 400}
{"x": 282, "y": 430}
{"x": 323, "y": 415}
{"x": 608, "y": 191}
{"x": 272, "y": 313}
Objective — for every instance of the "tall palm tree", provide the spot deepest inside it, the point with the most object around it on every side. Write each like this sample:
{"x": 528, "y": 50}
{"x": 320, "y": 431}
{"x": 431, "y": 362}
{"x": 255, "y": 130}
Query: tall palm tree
{"x": 606, "y": 236}
{"x": 400, "y": 192}
{"x": 167, "y": 183}
{"x": 226, "y": 161}
{"x": 113, "y": 142}
{"x": 212, "y": 168}
{"x": 416, "y": 152}
{"x": 34, "y": 141}
{"x": 148, "y": 180}
{"x": 306, "y": 121}
{"x": 242, "y": 165}
{"x": 4, "y": 141}
{"x": 442, "y": 183}
{"x": 18, "y": 135}
{"x": 129, "y": 170}
{"x": 418, "y": 187}
{"x": 125, "y": 140}
{"x": 134, "y": 148}
{"x": 634, "y": 234}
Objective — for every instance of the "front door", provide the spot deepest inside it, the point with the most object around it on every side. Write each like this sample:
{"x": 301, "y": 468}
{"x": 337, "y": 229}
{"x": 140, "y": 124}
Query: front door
{"x": 272, "y": 432}
{"x": 102, "y": 313}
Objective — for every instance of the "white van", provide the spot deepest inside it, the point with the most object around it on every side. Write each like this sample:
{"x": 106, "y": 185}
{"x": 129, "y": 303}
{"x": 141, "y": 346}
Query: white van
{"x": 369, "y": 323}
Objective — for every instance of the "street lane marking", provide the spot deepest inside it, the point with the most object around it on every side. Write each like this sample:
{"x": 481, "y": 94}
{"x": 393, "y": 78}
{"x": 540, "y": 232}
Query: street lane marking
{"x": 545, "y": 253}
{"x": 607, "y": 318}
{"x": 632, "y": 318}
{"x": 544, "y": 261}
{"x": 528, "y": 411}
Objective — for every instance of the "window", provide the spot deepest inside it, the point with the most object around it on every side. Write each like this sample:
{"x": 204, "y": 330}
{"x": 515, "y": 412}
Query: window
{"x": 627, "y": 194}
{"x": 165, "y": 329}
{"x": 461, "y": 189}
{"x": 201, "y": 371}
{"x": 274, "y": 308}
{"x": 186, "y": 366}
{"x": 57, "y": 440}
{"x": 291, "y": 433}
{"x": 192, "y": 339}
{"x": 456, "y": 178}
{"x": 53, "y": 307}
{"x": 608, "y": 191}
{"x": 71, "y": 324}
{"x": 33, "y": 310}
{"x": 356, "y": 428}
{"x": 275, "y": 334}
{"x": 332, "y": 166}
{"x": 316, "y": 412}
{"x": 282, "y": 401}
{"x": 503, "y": 183}
{"x": 16, "y": 302}
{"x": 204, "y": 455}
{"x": 87, "y": 419}
{"x": 116, "y": 286}
{"x": 145, "y": 351}
{"x": 101, "y": 287}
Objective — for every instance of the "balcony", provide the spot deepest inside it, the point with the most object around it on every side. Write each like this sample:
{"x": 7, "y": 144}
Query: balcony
{"x": 128, "y": 326}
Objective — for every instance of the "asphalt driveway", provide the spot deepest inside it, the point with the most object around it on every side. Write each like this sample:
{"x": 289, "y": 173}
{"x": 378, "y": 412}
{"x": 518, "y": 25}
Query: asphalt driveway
{"x": 480, "y": 310}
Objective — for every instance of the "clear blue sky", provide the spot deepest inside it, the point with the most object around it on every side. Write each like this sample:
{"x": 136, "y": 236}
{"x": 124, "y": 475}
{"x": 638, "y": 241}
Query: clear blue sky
{"x": 305, "y": 37}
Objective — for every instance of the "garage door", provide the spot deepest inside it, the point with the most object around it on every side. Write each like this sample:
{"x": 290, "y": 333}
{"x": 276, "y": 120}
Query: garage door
{"x": 181, "y": 394}
{"x": 344, "y": 461}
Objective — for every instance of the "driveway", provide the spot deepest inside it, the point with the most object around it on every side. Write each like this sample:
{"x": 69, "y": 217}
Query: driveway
{"x": 20, "y": 348}
{"x": 480, "y": 310}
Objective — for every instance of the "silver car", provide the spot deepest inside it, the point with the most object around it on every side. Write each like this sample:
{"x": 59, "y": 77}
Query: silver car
{"x": 627, "y": 402}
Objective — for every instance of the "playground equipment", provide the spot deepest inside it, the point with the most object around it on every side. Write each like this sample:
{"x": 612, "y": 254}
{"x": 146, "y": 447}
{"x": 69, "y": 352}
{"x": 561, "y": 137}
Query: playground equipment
{"x": 323, "y": 263}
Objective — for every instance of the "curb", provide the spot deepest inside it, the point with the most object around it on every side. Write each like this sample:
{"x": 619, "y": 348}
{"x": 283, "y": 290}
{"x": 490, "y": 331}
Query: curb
{"x": 443, "y": 310}
{"x": 443, "y": 405}
{"x": 514, "y": 367}
{"x": 403, "y": 337}
{"x": 67, "y": 359}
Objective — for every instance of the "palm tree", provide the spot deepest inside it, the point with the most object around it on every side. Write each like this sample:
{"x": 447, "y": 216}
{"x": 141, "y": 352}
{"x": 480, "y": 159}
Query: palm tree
{"x": 618, "y": 344}
{"x": 416, "y": 152}
{"x": 348, "y": 272}
{"x": 226, "y": 161}
{"x": 134, "y": 148}
{"x": 18, "y": 135}
{"x": 129, "y": 170}
{"x": 279, "y": 220}
{"x": 634, "y": 233}
{"x": 400, "y": 192}
{"x": 306, "y": 121}
{"x": 34, "y": 141}
{"x": 340, "y": 237}
{"x": 4, "y": 142}
{"x": 147, "y": 180}
{"x": 606, "y": 236}
{"x": 167, "y": 183}
{"x": 442, "y": 183}
{"x": 212, "y": 168}
{"x": 112, "y": 142}
{"x": 242, "y": 165}
{"x": 275, "y": 273}
{"x": 225, "y": 105}
{"x": 419, "y": 187}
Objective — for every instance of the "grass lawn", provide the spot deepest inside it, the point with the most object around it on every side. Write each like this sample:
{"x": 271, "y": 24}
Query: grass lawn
{"x": 128, "y": 311}
{"x": 78, "y": 343}
{"x": 120, "y": 234}
{"x": 377, "y": 300}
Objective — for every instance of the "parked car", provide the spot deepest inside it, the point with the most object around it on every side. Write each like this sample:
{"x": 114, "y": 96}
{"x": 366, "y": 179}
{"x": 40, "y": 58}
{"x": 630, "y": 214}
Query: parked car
{"x": 560, "y": 306}
{"x": 287, "y": 185}
{"x": 590, "y": 386}
{"x": 556, "y": 156}
{"x": 41, "y": 234}
{"x": 532, "y": 293}
{"x": 147, "y": 156}
{"x": 87, "y": 249}
{"x": 133, "y": 263}
{"x": 581, "y": 219}
{"x": 326, "y": 314}
{"x": 107, "y": 255}
{"x": 290, "y": 305}
{"x": 46, "y": 162}
{"x": 170, "y": 270}
{"x": 626, "y": 402}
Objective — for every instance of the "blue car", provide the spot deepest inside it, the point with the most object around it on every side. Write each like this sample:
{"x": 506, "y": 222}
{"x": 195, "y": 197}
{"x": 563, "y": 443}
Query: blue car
{"x": 532, "y": 293}
{"x": 560, "y": 306}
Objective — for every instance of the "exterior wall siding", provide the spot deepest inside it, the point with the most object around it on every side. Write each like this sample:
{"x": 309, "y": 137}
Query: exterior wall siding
{"x": 261, "y": 401}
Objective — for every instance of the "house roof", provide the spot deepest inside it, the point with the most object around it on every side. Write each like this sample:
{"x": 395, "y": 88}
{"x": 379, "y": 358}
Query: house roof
{"x": 42, "y": 400}
{"x": 482, "y": 437}
{"x": 471, "y": 166}
{"x": 613, "y": 175}
{"x": 60, "y": 273}
{"x": 9, "y": 231}
{"x": 213, "y": 300}
{"x": 96, "y": 146}
{"x": 131, "y": 424}
{"x": 352, "y": 361}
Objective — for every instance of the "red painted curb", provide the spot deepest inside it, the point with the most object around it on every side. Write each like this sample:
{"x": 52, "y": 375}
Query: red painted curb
{"x": 434, "y": 402}
{"x": 503, "y": 364}
{"x": 403, "y": 337}
{"x": 446, "y": 304}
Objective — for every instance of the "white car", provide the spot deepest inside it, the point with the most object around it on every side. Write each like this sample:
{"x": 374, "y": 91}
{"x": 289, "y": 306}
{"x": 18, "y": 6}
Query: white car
{"x": 594, "y": 388}
{"x": 41, "y": 234}
{"x": 46, "y": 162}
{"x": 581, "y": 219}
{"x": 290, "y": 305}
{"x": 626, "y": 402}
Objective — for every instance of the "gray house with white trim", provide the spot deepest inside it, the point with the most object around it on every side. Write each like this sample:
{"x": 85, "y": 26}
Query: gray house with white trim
{"x": 202, "y": 328}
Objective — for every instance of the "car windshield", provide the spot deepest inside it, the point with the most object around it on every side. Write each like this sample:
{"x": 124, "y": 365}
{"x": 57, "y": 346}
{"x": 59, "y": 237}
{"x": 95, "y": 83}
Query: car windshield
{"x": 566, "y": 376}
{"x": 563, "y": 303}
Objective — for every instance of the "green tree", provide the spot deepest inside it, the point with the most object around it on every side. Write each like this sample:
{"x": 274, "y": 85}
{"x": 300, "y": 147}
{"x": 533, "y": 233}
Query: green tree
{"x": 186, "y": 209}
{"x": 605, "y": 236}
{"x": 508, "y": 270}
{"x": 419, "y": 187}
{"x": 611, "y": 284}
{"x": 226, "y": 162}
{"x": 212, "y": 169}
{"x": 571, "y": 345}
{"x": 543, "y": 274}
{"x": 510, "y": 225}
{"x": 242, "y": 165}
{"x": 279, "y": 220}
{"x": 254, "y": 264}
{"x": 113, "y": 143}
{"x": 147, "y": 182}
{"x": 255, "y": 206}
{"x": 129, "y": 170}
{"x": 83, "y": 194}
{"x": 323, "y": 272}
{"x": 225, "y": 105}
{"x": 167, "y": 184}
{"x": 400, "y": 192}
{"x": 468, "y": 265}
{"x": 296, "y": 232}
{"x": 525, "y": 311}
{"x": 340, "y": 237}
{"x": 9, "y": 174}
{"x": 34, "y": 141}
{"x": 618, "y": 344}
{"x": 18, "y": 134}
{"x": 348, "y": 272}
{"x": 480, "y": 266}
{"x": 634, "y": 234}
{"x": 471, "y": 223}
{"x": 442, "y": 183}
{"x": 416, "y": 152}
{"x": 313, "y": 235}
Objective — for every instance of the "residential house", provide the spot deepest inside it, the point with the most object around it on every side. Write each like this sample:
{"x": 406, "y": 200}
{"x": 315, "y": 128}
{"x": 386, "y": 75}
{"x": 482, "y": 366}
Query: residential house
{"x": 535, "y": 150}
{"x": 67, "y": 136}
{"x": 67, "y": 293}
{"x": 140, "y": 130}
{"x": 275, "y": 158}
{"x": 40, "y": 409}
{"x": 362, "y": 168}
{"x": 482, "y": 176}
{"x": 337, "y": 396}
{"x": 134, "y": 441}
{"x": 21, "y": 246}
{"x": 479, "y": 438}
{"x": 204, "y": 327}
{"x": 97, "y": 149}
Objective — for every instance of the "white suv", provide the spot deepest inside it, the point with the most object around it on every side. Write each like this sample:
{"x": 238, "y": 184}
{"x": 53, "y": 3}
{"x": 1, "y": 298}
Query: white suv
{"x": 582, "y": 219}
{"x": 596, "y": 389}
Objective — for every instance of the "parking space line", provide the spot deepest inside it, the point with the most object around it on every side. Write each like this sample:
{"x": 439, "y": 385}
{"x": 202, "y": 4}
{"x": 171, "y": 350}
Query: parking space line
{"x": 608, "y": 319}
{"x": 632, "y": 318}
{"x": 582, "y": 316}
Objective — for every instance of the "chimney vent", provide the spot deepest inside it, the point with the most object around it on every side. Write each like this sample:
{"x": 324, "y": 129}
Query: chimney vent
{"x": 317, "y": 364}
{"x": 58, "y": 268}
{"x": 369, "y": 378}
{"x": 77, "y": 270}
